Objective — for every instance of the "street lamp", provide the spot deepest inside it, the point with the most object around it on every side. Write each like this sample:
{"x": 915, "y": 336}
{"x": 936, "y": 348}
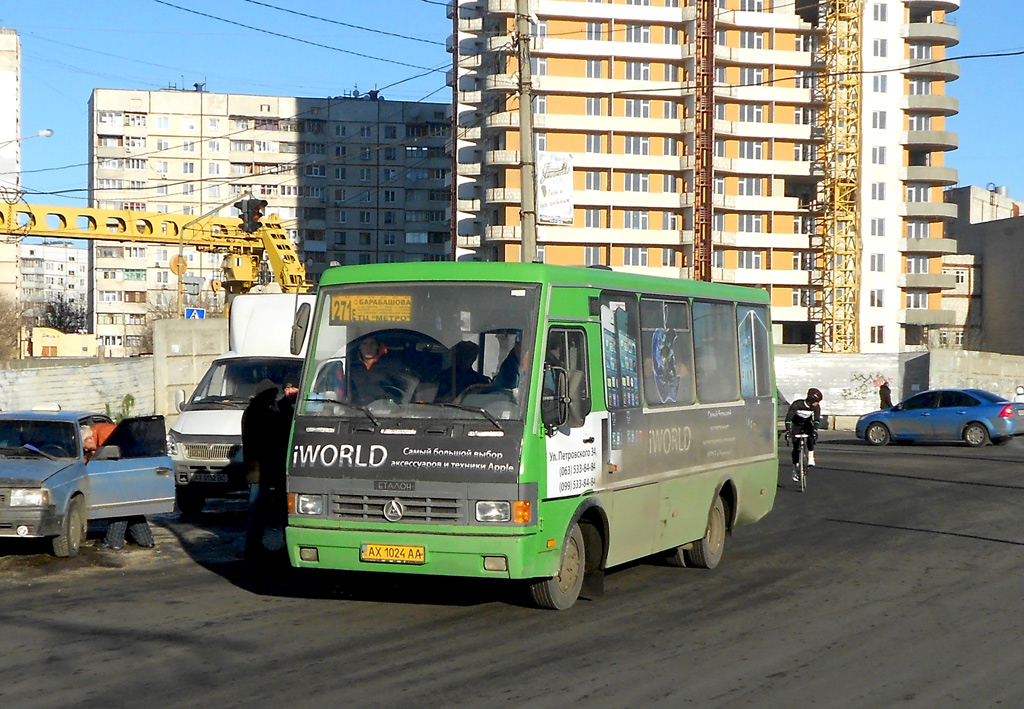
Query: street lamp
{"x": 44, "y": 133}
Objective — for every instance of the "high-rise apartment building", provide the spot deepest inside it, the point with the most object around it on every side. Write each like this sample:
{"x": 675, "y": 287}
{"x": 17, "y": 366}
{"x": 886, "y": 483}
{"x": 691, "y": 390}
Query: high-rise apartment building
{"x": 614, "y": 87}
{"x": 353, "y": 179}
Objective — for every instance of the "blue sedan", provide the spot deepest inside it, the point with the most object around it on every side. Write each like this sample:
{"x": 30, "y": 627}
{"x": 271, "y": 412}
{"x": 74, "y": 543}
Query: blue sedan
{"x": 974, "y": 416}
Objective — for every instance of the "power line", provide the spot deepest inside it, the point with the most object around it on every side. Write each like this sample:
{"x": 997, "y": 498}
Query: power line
{"x": 290, "y": 37}
{"x": 344, "y": 24}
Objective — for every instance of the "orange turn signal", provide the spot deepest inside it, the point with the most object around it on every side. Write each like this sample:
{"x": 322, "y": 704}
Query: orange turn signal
{"x": 521, "y": 511}
{"x": 291, "y": 503}
{"x": 551, "y": 543}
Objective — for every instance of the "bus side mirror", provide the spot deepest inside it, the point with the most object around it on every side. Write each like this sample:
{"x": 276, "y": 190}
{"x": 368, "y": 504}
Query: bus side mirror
{"x": 299, "y": 327}
{"x": 554, "y": 400}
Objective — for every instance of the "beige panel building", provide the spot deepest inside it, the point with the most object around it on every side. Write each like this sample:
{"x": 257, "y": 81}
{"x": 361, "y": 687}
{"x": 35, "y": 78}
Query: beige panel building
{"x": 613, "y": 84}
{"x": 354, "y": 179}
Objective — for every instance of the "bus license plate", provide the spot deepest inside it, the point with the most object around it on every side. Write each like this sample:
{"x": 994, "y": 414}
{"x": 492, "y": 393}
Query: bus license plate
{"x": 393, "y": 553}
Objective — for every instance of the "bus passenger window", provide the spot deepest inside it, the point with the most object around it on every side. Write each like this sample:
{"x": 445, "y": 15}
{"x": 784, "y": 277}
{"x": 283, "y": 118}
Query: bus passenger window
{"x": 667, "y": 352}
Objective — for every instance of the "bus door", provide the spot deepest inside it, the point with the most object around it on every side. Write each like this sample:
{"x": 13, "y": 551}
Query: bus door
{"x": 573, "y": 449}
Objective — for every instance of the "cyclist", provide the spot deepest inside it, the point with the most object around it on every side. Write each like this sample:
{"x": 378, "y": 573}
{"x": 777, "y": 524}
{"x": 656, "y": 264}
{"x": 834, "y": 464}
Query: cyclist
{"x": 804, "y": 416}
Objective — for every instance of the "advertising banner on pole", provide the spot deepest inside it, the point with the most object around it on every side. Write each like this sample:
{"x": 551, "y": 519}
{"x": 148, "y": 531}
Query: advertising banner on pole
{"x": 554, "y": 188}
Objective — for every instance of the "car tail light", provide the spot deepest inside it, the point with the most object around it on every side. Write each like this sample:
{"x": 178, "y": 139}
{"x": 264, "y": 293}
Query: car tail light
{"x": 1007, "y": 412}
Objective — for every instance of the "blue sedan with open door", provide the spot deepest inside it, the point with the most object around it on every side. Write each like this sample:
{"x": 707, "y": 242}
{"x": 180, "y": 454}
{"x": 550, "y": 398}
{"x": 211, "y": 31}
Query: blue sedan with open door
{"x": 974, "y": 416}
{"x": 48, "y": 488}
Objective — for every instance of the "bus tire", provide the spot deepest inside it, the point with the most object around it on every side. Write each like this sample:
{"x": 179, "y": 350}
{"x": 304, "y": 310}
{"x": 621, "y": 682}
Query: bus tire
{"x": 707, "y": 551}
{"x": 561, "y": 592}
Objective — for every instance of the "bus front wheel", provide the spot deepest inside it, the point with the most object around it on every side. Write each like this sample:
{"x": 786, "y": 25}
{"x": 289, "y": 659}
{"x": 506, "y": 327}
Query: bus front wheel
{"x": 707, "y": 551}
{"x": 560, "y": 592}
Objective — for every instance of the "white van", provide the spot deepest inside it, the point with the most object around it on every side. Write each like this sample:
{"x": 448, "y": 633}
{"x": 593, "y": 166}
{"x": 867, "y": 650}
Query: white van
{"x": 205, "y": 441}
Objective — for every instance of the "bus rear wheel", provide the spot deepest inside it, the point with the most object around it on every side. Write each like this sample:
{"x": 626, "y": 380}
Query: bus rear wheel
{"x": 561, "y": 592}
{"x": 707, "y": 551}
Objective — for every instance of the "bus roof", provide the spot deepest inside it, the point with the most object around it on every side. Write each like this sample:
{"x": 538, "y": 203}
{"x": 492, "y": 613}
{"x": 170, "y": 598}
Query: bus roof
{"x": 535, "y": 273}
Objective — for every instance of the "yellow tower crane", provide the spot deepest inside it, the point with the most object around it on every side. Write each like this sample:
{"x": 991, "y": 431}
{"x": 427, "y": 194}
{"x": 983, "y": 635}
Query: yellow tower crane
{"x": 837, "y": 233}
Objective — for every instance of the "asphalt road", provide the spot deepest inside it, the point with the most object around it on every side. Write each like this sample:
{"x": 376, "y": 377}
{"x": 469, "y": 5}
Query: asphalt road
{"x": 895, "y": 579}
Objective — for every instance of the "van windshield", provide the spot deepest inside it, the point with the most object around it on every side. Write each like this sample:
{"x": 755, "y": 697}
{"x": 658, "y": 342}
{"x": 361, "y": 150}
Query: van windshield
{"x": 230, "y": 383}
{"x": 422, "y": 350}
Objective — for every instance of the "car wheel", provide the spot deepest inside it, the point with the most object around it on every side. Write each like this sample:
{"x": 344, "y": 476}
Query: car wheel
{"x": 975, "y": 435}
{"x": 707, "y": 551}
{"x": 72, "y": 531}
{"x": 190, "y": 502}
{"x": 877, "y": 434}
{"x": 560, "y": 592}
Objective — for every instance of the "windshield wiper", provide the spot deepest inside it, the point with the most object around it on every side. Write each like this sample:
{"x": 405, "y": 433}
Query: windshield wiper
{"x": 348, "y": 405}
{"x": 33, "y": 449}
{"x": 472, "y": 409}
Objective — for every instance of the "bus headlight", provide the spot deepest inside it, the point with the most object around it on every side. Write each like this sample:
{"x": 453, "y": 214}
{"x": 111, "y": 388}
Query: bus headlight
{"x": 30, "y": 497}
{"x": 487, "y": 511}
{"x": 309, "y": 504}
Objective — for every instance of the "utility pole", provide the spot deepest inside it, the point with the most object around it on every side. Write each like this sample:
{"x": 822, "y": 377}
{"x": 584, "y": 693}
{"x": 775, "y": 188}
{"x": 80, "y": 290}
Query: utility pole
{"x": 528, "y": 206}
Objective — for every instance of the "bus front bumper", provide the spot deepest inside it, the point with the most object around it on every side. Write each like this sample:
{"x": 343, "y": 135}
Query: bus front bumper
{"x": 435, "y": 553}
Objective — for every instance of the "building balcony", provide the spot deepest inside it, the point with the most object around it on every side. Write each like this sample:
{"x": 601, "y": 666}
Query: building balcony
{"x": 927, "y": 281}
{"x": 500, "y": 82}
{"x": 931, "y": 174}
{"x": 501, "y": 233}
{"x": 947, "y": 5}
{"x": 928, "y": 246}
{"x": 931, "y": 32}
{"x": 930, "y": 139}
{"x": 468, "y": 205}
{"x": 503, "y": 195}
{"x": 937, "y": 104}
{"x": 927, "y": 317}
{"x": 931, "y": 211}
{"x": 501, "y": 157}
{"x": 946, "y": 69}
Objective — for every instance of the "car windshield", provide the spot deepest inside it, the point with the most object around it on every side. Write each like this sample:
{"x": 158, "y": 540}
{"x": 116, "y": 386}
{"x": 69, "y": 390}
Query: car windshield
{"x": 230, "y": 383}
{"x": 421, "y": 350}
{"x": 22, "y": 438}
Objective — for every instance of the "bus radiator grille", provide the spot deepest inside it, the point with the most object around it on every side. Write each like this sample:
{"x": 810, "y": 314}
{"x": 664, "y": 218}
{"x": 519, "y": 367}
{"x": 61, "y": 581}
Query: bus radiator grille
{"x": 416, "y": 509}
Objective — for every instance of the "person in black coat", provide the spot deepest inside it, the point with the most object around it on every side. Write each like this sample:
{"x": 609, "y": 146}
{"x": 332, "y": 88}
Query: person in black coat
{"x": 266, "y": 428}
{"x": 885, "y": 396}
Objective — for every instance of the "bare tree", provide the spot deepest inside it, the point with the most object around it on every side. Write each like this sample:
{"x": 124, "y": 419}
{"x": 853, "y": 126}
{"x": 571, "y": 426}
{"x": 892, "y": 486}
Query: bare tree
{"x": 10, "y": 327}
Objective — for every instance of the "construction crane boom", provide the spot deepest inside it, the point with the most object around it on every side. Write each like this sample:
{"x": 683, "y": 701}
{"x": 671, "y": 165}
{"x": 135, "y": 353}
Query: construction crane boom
{"x": 243, "y": 252}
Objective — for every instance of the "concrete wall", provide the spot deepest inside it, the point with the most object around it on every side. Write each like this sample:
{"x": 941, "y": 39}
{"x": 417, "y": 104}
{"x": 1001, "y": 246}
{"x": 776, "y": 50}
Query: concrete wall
{"x": 849, "y": 382}
{"x": 87, "y": 386}
{"x": 183, "y": 350}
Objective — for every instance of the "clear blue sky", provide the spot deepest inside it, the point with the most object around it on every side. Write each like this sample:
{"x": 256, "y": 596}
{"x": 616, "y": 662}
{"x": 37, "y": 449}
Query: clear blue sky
{"x": 70, "y": 47}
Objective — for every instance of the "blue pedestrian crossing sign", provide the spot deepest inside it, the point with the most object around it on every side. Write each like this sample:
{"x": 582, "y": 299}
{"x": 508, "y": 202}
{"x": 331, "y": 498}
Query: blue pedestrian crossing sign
{"x": 195, "y": 313}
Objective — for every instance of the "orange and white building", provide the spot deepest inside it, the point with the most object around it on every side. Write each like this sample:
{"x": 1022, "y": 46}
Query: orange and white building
{"x": 613, "y": 86}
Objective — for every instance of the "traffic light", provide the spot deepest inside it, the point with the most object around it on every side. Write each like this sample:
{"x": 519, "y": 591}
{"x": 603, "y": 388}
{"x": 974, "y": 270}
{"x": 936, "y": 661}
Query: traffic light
{"x": 251, "y": 211}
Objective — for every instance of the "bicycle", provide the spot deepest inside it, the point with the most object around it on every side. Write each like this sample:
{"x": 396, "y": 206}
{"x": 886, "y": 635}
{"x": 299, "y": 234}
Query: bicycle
{"x": 801, "y": 465}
